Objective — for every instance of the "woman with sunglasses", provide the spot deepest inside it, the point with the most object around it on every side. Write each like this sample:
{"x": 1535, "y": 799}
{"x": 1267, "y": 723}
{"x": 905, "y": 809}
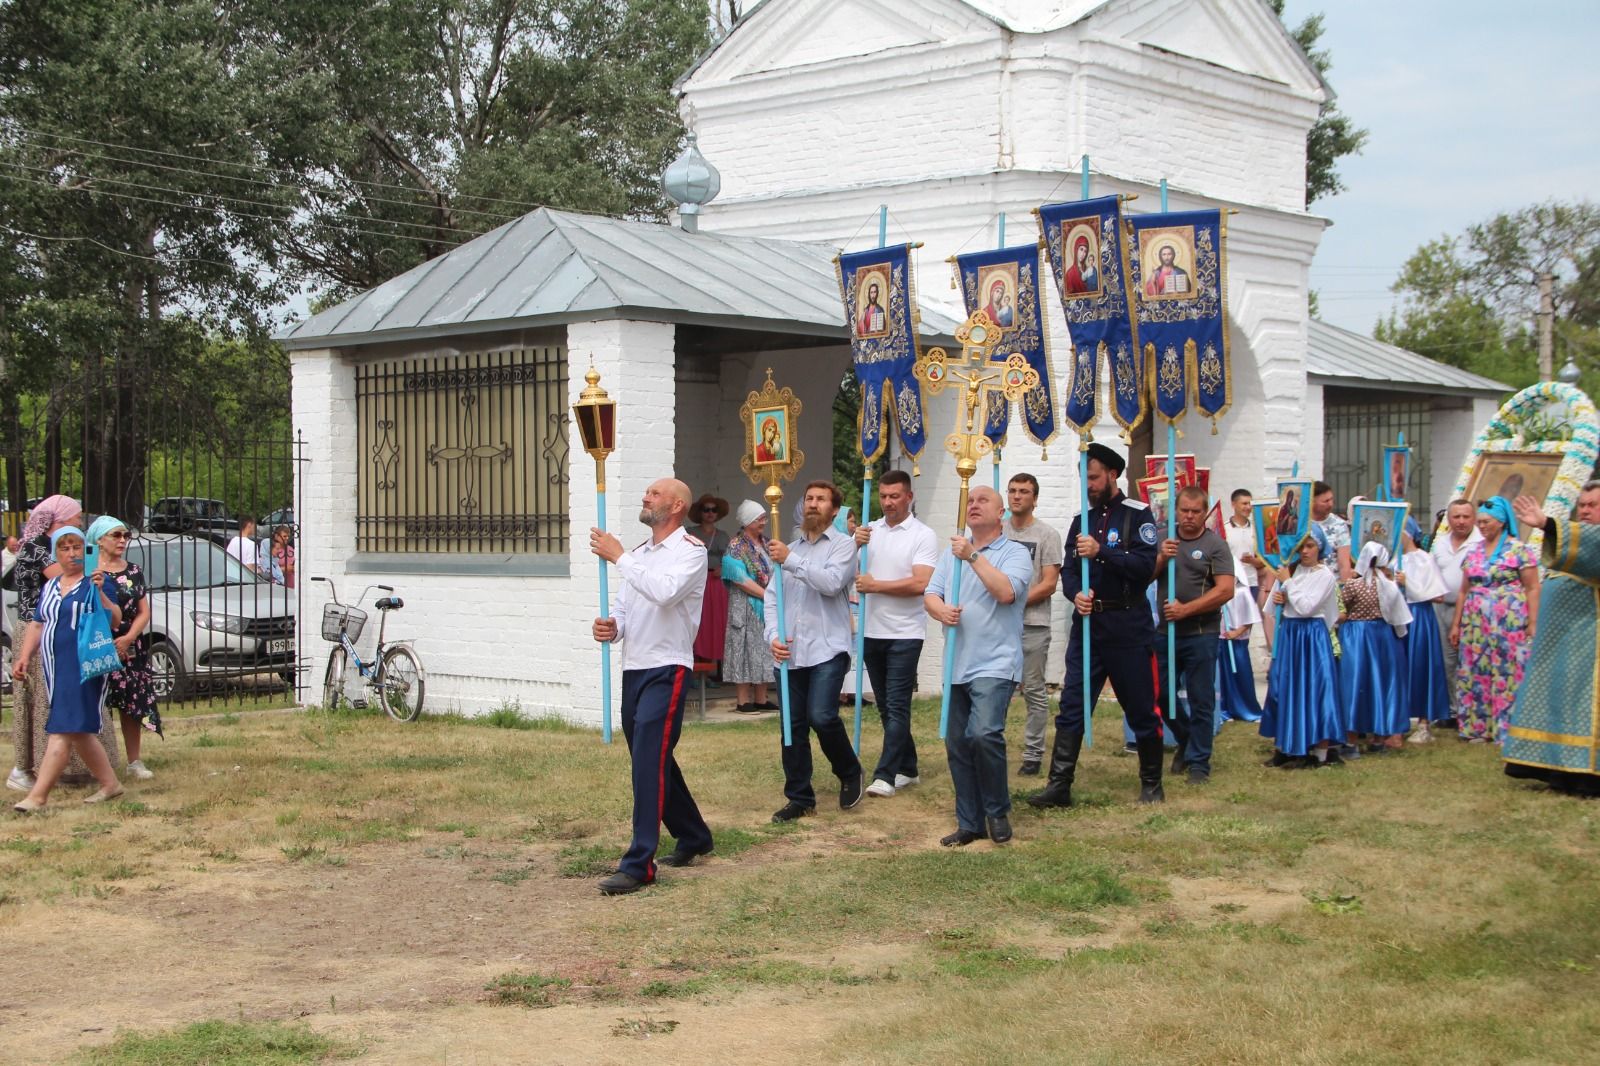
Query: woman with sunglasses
{"x": 131, "y": 691}
{"x": 75, "y": 704}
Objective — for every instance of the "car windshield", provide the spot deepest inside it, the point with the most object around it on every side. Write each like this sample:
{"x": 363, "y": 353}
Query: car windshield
{"x": 187, "y": 564}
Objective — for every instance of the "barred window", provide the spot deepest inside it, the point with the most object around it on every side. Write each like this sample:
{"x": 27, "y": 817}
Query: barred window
{"x": 463, "y": 453}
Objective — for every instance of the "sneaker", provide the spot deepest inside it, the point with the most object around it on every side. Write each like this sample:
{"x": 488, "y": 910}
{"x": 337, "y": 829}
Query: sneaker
{"x": 791, "y": 812}
{"x": 850, "y": 791}
{"x": 620, "y": 884}
{"x": 1029, "y": 768}
{"x": 1423, "y": 735}
{"x": 1129, "y": 748}
{"x": 138, "y": 771}
{"x": 1348, "y": 752}
{"x": 902, "y": 781}
{"x": 880, "y": 788}
{"x": 959, "y": 839}
{"x": 19, "y": 780}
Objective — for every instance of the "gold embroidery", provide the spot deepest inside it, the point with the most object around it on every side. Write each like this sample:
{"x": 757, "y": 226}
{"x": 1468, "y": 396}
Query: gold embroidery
{"x": 1169, "y": 379}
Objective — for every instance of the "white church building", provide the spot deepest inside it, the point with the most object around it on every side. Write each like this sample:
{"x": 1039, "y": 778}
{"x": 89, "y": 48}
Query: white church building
{"x": 442, "y": 457}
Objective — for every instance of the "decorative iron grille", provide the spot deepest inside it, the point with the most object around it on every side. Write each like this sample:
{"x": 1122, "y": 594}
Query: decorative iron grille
{"x": 1354, "y": 436}
{"x": 463, "y": 453}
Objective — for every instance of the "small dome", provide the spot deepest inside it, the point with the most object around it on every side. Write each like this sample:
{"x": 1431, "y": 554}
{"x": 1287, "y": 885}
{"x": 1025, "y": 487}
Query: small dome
{"x": 691, "y": 179}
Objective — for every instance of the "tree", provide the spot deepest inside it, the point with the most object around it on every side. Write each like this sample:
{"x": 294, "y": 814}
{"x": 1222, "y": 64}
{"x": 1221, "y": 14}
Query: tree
{"x": 1472, "y": 300}
{"x": 1334, "y": 135}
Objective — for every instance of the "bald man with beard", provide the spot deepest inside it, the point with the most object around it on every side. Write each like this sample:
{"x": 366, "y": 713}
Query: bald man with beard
{"x": 656, "y": 615}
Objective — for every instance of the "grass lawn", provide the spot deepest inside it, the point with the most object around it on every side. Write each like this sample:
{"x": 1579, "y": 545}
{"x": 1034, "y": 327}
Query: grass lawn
{"x": 313, "y": 887}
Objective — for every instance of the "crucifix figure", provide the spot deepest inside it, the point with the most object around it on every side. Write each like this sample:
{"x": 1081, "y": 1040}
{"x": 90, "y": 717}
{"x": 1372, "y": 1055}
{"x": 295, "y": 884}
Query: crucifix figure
{"x": 469, "y": 450}
{"x": 980, "y": 377}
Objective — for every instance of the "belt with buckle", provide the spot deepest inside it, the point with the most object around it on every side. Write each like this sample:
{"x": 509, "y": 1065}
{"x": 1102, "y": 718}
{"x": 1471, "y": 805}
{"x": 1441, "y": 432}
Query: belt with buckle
{"x": 1105, "y": 606}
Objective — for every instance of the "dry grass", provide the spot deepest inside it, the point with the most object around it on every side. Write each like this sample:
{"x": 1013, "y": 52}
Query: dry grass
{"x": 388, "y": 884}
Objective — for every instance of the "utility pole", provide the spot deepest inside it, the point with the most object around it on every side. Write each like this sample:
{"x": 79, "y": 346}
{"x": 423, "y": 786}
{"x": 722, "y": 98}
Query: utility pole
{"x": 1547, "y": 318}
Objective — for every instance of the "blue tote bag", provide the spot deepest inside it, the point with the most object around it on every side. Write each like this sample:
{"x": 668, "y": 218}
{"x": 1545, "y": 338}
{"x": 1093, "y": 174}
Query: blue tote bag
{"x": 97, "y": 652}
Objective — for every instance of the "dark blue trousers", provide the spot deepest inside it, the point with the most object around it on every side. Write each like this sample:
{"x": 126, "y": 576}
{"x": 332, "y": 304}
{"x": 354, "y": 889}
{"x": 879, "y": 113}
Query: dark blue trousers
{"x": 1130, "y": 666}
{"x": 652, "y": 718}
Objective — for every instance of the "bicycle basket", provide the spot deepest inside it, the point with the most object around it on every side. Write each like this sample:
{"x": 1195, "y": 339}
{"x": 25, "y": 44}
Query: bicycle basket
{"x": 337, "y": 617}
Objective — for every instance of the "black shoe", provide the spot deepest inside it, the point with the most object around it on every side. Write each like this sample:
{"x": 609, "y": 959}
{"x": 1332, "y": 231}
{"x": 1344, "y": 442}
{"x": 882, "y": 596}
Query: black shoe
{"x": 746, "y": 708}
{"x": 790, "y": 812}
{"x": 1177, "y": 761}
{"x": 1197, "y": 776}
{"x": 620, "y": 884}
{"x": 1000, "y": 829}
{"x": 766, "y": 705}
{"x": 959, "y": 839}
{"x": 850, "y": 790}
{"x": 1336, "y": 757}
{"x": 1029, "y": 768}
{"x": 1151, "y": 754}
{"x": 1063, "y": 768}
{"x": 681, "y": 856}
{"x": 1130, "y": 748}
{"x": 1278, "y": 759}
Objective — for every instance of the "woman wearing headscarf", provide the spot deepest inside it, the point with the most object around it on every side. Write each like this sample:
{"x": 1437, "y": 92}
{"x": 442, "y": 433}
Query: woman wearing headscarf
{"x": 1494, "y": 623}
{"x": 1302, "y": 710}
{"x": 747, "y": 568}
{"x": 131, "y": 691}
{"x": 1429, "y": 691}
{"x": 1236, "y": 679}
{"x": 35, "y": 566}
{"x": 75, "y": 714}
{"x": 1373, "y": 676}
{"x": 704, "y": 514}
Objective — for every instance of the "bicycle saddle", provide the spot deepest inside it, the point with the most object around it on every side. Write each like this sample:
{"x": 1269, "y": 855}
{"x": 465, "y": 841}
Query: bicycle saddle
{"x": 390, "y": 603}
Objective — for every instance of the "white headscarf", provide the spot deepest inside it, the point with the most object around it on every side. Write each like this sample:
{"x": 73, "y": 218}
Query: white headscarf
{"x": 1374, "y": 559}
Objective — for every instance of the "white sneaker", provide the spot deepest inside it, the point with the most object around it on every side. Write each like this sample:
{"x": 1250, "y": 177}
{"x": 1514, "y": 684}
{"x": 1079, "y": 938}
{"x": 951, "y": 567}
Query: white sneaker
{"x": 880, "y": 787}
{"x": 902, "y": 781}
{"x": 19, "y": 780}
{"x": 1423, "y": 735}
{"x": 138, "y": 771}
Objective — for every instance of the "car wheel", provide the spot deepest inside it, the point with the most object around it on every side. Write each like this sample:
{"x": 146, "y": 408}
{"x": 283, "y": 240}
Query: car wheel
{"x": 166, "y": 671}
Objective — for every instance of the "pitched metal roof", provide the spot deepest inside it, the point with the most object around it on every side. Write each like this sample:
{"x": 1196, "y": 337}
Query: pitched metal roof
{"x": 551, "y": 267}
{"x": 1341, "y": 357}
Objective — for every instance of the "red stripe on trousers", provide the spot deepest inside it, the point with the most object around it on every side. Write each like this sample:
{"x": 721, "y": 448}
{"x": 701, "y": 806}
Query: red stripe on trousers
{"x": 1155, "y": 673}
{"x": 666, "y": 747}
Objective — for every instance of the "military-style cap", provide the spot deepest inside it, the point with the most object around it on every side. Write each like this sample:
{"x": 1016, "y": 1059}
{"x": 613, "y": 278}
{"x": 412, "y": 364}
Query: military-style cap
{"x": 1107, "y": 458}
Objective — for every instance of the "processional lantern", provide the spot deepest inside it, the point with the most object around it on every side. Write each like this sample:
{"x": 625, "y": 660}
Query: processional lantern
{"x": 596, "y": 414}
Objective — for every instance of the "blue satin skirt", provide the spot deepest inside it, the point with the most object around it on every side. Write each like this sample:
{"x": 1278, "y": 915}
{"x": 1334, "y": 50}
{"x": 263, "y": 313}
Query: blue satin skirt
{"x": 1374, "y": 679}
{"x": 1302, "y": 708}
{"x": 1236, "y": 683}
{"x": 1430, "y": 689}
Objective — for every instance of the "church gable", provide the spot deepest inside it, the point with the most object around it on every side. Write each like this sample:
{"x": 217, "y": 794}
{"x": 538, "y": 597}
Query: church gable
{"x": 1239, "y": 35}
{"x": 787, "y": 34}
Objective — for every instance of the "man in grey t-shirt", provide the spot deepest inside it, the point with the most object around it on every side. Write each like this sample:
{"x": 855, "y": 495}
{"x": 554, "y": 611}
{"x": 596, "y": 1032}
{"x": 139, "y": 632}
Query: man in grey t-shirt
{"x": 1044, "y": 545}
{"x": 1204, "y": 584}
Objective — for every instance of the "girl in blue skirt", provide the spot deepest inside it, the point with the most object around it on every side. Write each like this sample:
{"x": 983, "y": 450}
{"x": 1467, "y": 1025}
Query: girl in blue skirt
{"x": 1236, "y": 678}
{"x": 1302, "y": 710}
{"x": 1430, "y": 686}
{"x": 76, "y": 706}
{"x": 1374, "y": 680}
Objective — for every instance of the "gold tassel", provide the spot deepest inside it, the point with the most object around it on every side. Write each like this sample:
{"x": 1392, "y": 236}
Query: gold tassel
{"x": 916, "y": 471}
{"x": 1044, "y": 454}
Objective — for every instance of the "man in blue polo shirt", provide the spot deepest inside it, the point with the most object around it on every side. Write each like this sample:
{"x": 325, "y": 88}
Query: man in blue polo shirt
{"x": 988, "y": 664}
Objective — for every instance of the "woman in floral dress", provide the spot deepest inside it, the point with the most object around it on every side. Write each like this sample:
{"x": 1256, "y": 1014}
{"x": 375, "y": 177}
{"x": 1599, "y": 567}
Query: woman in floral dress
{"x": 130, "y": 691}
{"x": 1494, "y": 623}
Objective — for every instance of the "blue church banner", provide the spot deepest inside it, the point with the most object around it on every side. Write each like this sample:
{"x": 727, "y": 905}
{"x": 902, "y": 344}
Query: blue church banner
{"x": 1179, "y": 277}
{"x": 1084, "y": 240}
{"x": 880, "y": 303}
{"x": 1004, "y": 283}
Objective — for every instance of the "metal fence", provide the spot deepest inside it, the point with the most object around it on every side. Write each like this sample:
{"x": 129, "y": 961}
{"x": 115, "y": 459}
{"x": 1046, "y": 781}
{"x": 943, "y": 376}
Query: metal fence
{"x": 1354, "y": 436}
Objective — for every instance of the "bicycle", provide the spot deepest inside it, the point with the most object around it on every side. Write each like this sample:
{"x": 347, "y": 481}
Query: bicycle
{"x": 394, "y": 676}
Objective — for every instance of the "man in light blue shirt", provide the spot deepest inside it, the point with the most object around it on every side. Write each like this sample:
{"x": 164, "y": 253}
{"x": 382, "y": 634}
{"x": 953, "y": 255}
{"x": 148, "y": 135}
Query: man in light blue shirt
{"x": 818, "y": 569}
{"x": 996, "y": 572}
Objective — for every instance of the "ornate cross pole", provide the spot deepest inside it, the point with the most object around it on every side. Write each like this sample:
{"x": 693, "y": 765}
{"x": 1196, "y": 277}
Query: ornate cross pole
{"x": 979, "y": 376}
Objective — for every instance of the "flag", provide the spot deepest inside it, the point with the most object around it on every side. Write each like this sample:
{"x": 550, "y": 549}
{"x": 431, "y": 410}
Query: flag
{"x": 880, "y": 303}
{"x": 1178, "y": 273}
{"x": 1090, "y": 261}
{"x": 1005, "y": 284}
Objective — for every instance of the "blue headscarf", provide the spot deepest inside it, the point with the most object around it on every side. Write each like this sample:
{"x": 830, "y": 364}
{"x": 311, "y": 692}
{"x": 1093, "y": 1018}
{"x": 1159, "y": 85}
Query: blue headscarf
{"x": 1498, "y": 508}
{"x": 841, "y": 521}
{"x": 1313, "y": 533}
{"x": 91, "y": 541}
{"x": 64, "y": 531}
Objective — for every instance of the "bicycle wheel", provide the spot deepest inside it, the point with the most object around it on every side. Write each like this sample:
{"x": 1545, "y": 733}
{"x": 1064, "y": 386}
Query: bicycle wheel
{"x": 333, "y": 680}
{"x": 400, "y": 684}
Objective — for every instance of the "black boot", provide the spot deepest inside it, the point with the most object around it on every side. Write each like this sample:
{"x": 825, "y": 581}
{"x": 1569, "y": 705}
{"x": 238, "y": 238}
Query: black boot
{"x": 1063, "y": 768}
{"x": 1151, "y": 755}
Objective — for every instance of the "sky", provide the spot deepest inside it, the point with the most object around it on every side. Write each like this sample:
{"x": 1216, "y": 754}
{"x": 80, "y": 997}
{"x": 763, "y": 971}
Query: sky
{"x": 1472, "y": 108}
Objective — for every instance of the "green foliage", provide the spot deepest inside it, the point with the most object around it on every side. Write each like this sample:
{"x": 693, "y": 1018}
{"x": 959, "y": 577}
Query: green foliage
{"x": 1334, "y": 135}
{"x": 261, "y": 1043}
{"x": 527, "y": 989}
{"x": 848, "y": 468}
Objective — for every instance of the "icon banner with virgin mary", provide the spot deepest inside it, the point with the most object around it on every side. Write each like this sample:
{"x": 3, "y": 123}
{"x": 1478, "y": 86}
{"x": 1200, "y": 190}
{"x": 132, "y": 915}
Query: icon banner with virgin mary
{"x": 1004, "y": 283}
{"x": 1090, "y": 261}
{"x": 880, "y": 303}
{"x": 1178, "y": 274}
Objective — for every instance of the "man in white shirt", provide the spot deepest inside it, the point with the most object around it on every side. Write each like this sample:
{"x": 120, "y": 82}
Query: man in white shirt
{"x": 901, "y": 554}
{"x": 243, "y": 547}
{"x": 8, "y": 558}
{"x": 1043, "y": 544}
{"x": 1241, "y": 537}
{"x": 1449, "y": 552}
{"x": 818, "y": 569}
{"x": 656, "y": 615}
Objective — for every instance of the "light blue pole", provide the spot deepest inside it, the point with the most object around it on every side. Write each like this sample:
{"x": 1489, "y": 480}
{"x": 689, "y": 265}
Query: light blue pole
{"x": 783, "y": 635}
{"x": 1172, "y": 534}
{"x": 950, "y": 640}
{"x": 605, "y": 612}
{"x": 1277, "y": 608}
{"x": 1083, "y": 531}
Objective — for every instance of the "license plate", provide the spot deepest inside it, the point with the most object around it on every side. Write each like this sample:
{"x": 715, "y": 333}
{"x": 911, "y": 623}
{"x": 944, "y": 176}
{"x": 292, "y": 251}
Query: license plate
{"x": 280, "y": 647}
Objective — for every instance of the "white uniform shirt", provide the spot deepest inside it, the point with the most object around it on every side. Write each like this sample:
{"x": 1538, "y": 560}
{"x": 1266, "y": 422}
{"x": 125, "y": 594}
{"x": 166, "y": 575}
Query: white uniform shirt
{"x": 1449, "y": 559}
{"x": 891, "y": 555}
{"x": 658, "y": 609}
{"x": 244, "y": 549}
{"x": 816, "y": 598}
{"x": 1242, "y": 542}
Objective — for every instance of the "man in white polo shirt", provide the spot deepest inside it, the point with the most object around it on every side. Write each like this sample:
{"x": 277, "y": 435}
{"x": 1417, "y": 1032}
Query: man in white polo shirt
{"x": 1449, "y": 552}
{"x": 901, "y": 555}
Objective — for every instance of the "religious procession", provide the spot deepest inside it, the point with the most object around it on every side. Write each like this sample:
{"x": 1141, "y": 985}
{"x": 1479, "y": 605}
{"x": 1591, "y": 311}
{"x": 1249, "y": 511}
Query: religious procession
{"x": 533, "y": 529}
